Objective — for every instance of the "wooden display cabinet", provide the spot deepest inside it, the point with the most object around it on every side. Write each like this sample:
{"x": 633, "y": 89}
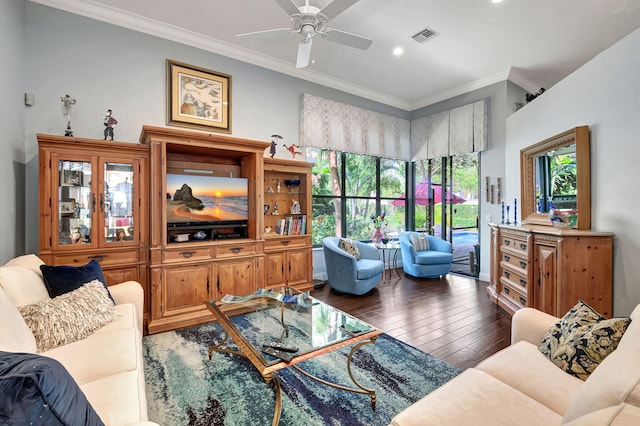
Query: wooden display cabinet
{"x": 202, "y": 251}
{"x": 288, "y": 248}
{"x": 93, "y": 206}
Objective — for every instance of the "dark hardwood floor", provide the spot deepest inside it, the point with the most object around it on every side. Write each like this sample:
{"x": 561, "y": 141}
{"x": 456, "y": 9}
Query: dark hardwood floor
{"x": 451, "y": 318}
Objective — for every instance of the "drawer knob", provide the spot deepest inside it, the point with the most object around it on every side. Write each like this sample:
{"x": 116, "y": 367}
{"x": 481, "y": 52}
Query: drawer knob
{"x": 187, "y": 254}
{"x": 507, "y": 290}
{"x": 523, "y": 282}
{"x": 523, "y": 264}
{"x": 507, "y": 242}
{"x": 507, "y": 274}
{"x": 523, "y": 246}
{"x": 523, "y": 301}
{"x": 507, "y": 257}
{"x": 285, "y": 242}
{"x": 236, "y": 249}
{"x": 98, "y": 256}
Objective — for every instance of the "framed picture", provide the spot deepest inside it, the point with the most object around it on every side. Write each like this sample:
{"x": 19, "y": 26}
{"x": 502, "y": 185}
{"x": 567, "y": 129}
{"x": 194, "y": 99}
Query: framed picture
{"x": 198, "y": 97}
{"x": 67, "y": 206}
{"x": 71, "y": 177}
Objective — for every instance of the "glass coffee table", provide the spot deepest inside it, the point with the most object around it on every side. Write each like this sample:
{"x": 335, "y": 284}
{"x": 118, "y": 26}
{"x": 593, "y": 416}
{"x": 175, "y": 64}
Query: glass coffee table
{"x": 286, "y": 316}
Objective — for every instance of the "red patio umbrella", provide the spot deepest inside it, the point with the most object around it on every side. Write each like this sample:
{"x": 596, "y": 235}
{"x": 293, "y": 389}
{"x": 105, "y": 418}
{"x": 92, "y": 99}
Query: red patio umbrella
{"x": 422, "y": 195}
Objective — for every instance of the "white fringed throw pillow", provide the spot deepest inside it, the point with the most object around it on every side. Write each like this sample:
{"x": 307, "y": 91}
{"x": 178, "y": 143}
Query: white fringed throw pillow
{"x": 419, "y": 242}
{"x": 70, "y": 317}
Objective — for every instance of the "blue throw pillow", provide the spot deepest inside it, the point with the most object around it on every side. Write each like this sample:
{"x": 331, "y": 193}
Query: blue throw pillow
{"x": 37, "y": 390}
{"x": 63, "y": 279}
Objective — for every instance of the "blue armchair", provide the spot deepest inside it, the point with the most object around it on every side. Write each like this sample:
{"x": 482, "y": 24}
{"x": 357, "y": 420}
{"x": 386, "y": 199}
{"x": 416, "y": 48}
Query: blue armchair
{"x": 348, "y": 275}
{"x": 431, "y": 263}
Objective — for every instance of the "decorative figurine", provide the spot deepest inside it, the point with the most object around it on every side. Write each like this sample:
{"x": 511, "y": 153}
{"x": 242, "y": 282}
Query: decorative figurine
{"x": 278, "y": 187}
{"x": 270, "y": 190}
{"x": 274, "y": 144}
{"x": 295, "y": 207}
{"x": 293, "y": 149}
{"x": 68, "y": 102}
{"x": 109, "y": 124}
{"x": 275, "y": 211}
{"x": 77, "y": 236}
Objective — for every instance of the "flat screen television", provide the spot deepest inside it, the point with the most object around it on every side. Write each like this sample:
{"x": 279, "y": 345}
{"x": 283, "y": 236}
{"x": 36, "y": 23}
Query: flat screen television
{"x": 194, "y": 199}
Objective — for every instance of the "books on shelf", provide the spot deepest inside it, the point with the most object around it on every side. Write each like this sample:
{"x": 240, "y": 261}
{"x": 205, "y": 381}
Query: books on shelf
{"x": 292, "y": 225}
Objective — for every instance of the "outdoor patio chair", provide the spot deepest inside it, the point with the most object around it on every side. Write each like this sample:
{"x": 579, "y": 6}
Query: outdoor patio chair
{"x": 425, "y": 256}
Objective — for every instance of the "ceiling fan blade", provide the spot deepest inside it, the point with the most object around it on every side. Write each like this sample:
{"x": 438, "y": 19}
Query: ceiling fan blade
{"x": 346, "y": 38}
{"x": 277, "y": 31}
{"x": 336, "y": 7}
{"x": 289, "y": 6}
{"x": 304, "y": 52}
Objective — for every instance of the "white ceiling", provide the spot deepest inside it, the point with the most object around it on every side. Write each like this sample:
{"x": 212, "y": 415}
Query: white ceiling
{"x": 534, "y": 43}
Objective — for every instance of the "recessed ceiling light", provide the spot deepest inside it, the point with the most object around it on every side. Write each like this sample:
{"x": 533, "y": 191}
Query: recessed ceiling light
{"x": 398, "y": 51}
{"x": 496, "y": 1}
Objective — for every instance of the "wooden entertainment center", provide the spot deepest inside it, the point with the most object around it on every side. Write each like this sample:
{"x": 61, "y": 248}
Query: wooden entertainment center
{"x": 180, "y": 263}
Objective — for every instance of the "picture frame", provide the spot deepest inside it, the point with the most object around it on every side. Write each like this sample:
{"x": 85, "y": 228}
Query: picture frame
{"x": 198, "y": 97}
{"x": 67, "y": 206}
{"x": 71, "y": 177}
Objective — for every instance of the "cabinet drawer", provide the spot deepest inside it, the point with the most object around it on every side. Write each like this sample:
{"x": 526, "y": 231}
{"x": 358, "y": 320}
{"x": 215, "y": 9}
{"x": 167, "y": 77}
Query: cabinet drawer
{"x": 515, "y": 243}
{"x": 106, "y": 259}
{"x": 514, "y": 294}
{"x": 285, "y": 243}
{"x": 515, "y": 261}
{"x": 515, "y": 280}
{"x": 190, "y": 253}
{"x": 233, "y": 250}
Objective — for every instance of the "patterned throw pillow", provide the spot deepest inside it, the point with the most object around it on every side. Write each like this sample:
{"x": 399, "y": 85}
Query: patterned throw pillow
{"x": 419, "y": 242}
{"x": 70, "y": 317}
{"x": 350, "y": 247}
{"x": 582, "y": 339}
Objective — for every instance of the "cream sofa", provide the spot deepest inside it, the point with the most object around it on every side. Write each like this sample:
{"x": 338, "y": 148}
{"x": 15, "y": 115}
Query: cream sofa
{"x": 520, "y": 386}
{"x": 107, "y": 365}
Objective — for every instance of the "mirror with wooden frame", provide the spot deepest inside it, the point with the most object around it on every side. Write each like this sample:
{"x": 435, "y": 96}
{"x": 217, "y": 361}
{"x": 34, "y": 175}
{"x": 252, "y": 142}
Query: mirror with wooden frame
{"x": 556, "y": 173}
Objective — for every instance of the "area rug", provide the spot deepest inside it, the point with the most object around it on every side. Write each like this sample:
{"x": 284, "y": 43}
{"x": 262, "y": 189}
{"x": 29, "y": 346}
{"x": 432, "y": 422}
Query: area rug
{"x": 184, "y": 387}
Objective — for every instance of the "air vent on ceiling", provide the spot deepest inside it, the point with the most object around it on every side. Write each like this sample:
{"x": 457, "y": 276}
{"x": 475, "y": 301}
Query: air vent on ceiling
{"x": 424, "y": 35}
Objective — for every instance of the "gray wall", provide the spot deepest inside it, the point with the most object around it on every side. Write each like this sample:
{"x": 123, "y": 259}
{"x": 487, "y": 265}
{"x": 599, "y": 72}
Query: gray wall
{"x": 602, "y": 94}
{"x": 12, "y": 111}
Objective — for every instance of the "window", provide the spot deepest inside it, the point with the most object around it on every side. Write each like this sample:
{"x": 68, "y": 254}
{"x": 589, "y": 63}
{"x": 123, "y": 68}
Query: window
{"x": 348, "y": 189}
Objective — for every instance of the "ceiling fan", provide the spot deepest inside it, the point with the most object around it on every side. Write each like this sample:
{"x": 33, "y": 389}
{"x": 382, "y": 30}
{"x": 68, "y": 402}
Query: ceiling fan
{"x": 310, "y": 21}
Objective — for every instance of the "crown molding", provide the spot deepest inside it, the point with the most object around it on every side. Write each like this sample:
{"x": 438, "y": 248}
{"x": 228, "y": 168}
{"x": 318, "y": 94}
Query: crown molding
{"x": 118, "y": 17}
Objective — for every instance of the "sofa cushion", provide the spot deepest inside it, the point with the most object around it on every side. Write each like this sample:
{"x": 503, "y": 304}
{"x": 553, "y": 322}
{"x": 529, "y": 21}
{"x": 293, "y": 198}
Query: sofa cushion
{"x": 70, "y": 317}
{"x": 368, "y": 268}
{"x": 507, "y": 366}
{"x": 617, "y": 378}
{"x": 15, "y": 335}
{"x": 476, "y": 398}
{"x": 22, "y": 279}
{"x": 39, "y": 390}
{"x": 119, "y": 399}
{"x": 63, "y": 279}
{"x": 419, "y": 242}
{"x": 582, "y": 339}
{"x": 349, "y": 246}
{"x": 100, "y": 355}
{"x": 432, "y": 257}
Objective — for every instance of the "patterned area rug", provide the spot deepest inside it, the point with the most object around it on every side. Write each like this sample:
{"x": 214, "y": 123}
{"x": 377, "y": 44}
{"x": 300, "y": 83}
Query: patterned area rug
{"x": 185, "y": 388}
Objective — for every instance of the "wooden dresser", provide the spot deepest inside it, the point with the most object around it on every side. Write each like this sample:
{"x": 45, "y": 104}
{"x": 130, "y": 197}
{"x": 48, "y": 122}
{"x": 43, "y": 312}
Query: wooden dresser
{"x": 550, "y": 269}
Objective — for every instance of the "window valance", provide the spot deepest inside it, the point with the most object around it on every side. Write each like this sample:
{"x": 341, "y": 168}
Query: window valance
{"x": 457, "y": 131}
{"x": 328, "y": 124}
{"x": 334, "y": 125}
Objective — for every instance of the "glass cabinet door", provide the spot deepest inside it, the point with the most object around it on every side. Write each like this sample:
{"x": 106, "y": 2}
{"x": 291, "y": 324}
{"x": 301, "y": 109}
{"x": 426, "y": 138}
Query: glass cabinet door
{"x": 75, "y": 202}
{"x": 117, "y": 201}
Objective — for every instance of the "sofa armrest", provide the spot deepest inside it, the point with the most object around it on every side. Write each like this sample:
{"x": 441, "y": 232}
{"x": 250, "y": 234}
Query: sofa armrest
{"x": 530, "y": 325}
{"x": 129, "y": 292}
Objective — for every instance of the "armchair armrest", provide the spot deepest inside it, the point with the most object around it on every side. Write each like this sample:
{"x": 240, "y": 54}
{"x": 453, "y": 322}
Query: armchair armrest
{"x": 530, "y": 325}
{"x": 439, "y": 244}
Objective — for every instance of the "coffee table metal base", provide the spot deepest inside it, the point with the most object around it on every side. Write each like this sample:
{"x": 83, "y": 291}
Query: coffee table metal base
{"x": 270, "y": 377}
